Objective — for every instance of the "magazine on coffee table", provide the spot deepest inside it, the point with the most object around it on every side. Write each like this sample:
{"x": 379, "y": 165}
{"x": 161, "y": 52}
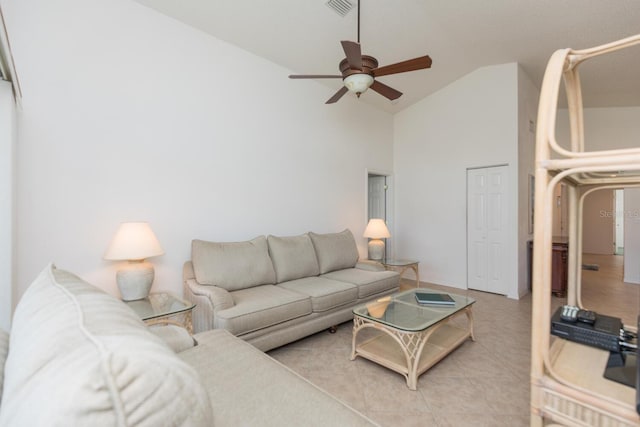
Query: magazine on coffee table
{"x": 434, "y": 298}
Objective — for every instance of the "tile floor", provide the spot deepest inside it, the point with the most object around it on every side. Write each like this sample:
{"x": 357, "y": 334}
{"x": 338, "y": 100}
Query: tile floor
{"x": 482, "y": 383}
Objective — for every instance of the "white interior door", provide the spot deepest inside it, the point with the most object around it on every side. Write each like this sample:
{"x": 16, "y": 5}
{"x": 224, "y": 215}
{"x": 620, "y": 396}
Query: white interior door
{"x": 377, "y": 196}
{"x": 487, "y": 229}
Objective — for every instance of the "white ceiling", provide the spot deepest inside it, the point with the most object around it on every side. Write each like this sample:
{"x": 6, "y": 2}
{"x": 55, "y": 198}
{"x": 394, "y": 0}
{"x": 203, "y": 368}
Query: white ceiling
{"x": 459, "y": 35}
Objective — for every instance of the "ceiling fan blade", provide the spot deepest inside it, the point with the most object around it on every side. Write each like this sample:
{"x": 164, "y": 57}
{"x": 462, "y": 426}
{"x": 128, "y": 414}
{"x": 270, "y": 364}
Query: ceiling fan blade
{"x": 314, "y": 76}
{"x": 353, "y": 53}
{"x": 337, "y": 95}
{"x": 386, "y": 91}
{"x": 404, "y": 66}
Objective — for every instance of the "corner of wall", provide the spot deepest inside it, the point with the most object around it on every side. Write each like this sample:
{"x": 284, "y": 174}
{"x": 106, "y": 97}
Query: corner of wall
{"x": 7, "y": 202}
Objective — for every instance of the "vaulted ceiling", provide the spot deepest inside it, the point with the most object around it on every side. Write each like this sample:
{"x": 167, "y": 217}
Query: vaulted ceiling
{"x": 459, "y": 35}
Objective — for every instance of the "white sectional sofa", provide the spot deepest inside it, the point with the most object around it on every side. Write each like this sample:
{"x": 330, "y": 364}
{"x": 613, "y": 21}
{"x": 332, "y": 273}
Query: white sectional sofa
{"x": 77, "y": 356}
{"x": 274, "y": 290}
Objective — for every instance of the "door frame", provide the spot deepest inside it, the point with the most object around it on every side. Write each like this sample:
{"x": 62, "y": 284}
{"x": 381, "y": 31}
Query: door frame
{"x": 618, "y": 222}
{"x": 390, "y": 219}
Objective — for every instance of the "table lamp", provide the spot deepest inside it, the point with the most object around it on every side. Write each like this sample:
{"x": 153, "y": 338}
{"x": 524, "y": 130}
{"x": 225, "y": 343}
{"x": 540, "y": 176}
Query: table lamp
{"x": 134, "y": 242}
{"x": 376, "y": 230}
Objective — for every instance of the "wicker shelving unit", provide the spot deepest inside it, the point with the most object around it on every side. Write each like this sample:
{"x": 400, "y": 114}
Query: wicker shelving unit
{"x": 567, "y": 386}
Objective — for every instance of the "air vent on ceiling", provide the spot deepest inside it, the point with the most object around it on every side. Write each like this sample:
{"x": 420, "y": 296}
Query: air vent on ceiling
{"x": 342, "y": 7}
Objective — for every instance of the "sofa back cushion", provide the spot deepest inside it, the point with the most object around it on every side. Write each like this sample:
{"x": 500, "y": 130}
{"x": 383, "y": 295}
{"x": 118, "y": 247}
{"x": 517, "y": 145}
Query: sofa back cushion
{"x": 293, "y": 257}
{"x": 78, "y": 356}
{"x": 335, "y": 251}
{"x": 233, "y": 265}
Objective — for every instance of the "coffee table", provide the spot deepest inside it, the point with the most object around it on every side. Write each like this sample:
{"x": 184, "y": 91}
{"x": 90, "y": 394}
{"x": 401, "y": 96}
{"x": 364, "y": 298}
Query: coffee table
{"x": 410, "y": 338}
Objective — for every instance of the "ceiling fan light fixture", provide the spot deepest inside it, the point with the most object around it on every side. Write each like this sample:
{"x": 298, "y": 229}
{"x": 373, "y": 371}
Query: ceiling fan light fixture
{"x": 358, "y": 83}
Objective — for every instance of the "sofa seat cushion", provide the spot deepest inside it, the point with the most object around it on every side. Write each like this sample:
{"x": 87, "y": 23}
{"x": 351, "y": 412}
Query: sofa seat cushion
{"x": 233, "y": 265}
{"x": 80, "y": 357}
{"x": 260, "y": 307}
{"x": 249, "y": 388}
{"x": 325, "y": 293}
{"x": 369, "y": 282}
{"x": 335, "y": 251}
{"x": 293, "y": 257}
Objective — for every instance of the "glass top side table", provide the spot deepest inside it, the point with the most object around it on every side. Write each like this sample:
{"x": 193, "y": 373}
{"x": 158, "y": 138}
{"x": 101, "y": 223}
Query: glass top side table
{"x": 164, "y": 308}
{"x": 401, "y": 265}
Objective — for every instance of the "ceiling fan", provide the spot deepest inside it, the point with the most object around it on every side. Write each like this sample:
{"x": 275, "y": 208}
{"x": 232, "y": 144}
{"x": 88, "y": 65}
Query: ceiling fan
{"x": 359, "y": 71}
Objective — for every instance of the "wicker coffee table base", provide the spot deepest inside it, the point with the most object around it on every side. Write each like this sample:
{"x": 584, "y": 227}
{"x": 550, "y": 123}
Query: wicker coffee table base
{"x": 410, "y": 353}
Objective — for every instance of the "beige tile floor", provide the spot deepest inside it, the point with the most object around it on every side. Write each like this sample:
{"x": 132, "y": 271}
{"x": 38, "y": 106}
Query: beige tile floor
{"x": 604, "y": 290}
{"x": 482, "y": 383}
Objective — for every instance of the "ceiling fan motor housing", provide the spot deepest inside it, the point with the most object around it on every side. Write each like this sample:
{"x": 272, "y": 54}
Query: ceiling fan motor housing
{"x": 358, "y": 81}
{"x": 369, "y": 63}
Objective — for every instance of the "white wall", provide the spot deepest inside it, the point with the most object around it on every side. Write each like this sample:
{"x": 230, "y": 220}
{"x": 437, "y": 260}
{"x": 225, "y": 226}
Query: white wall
{"x": 471, "y": 123}
{"x": 608, "y": 128}
{"x": 631, "y": 273}
{"x": 598, "y": 223}
{"x": 130, "y": 115}
{"x": 604, "y": 128}
{"x": 7, "y": 160}
{"x": 528, "y": 95}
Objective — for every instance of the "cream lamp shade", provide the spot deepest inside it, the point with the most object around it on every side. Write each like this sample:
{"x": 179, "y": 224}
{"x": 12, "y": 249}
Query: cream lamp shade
{"x": 134, "y": 242}
{"x": 375, "y": 231}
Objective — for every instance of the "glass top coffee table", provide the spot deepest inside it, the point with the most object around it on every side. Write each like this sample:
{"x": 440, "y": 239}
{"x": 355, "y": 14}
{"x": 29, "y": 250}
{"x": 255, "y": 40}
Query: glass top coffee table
{"x": 410, "y": 337}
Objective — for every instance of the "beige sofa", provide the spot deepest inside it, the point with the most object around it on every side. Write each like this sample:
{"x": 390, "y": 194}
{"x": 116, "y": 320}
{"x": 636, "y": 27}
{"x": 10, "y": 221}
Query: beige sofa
{"x": 274, "y": 290}
{"x": 77, "y": 356}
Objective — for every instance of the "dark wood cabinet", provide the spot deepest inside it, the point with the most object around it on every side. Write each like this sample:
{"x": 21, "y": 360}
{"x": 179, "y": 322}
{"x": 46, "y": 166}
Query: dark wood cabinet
{"x": 559, "y": 269}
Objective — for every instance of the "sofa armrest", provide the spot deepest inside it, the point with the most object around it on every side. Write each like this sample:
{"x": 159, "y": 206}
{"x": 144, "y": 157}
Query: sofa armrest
{"x": 207, "y": 299}
{"x": 367, "y": 264}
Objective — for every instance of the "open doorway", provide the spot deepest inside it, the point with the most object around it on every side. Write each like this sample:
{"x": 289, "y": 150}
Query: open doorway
{"x": 618, "y": 196}
{"x": 378, "y": 202}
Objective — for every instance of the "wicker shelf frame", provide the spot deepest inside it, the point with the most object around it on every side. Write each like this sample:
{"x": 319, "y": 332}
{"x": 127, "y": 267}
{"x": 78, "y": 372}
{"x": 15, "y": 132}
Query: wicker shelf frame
{"x": 566, "y": 378}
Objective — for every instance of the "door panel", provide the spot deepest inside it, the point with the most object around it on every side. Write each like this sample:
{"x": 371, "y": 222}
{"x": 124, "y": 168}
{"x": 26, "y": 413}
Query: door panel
{"x": 377, "y": 199}
{"x": 377, "y": 202}
{"x": 476, "y": 231}
{"x": 479, "y": 261}
{"x": 487, "y": 229}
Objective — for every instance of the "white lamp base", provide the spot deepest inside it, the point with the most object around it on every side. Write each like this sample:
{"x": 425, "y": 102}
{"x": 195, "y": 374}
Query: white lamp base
{"x": 376, "y": 249}
{"x": 135, "y": 279}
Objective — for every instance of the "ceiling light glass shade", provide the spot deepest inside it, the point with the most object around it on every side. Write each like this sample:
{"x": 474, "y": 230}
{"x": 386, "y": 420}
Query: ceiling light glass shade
{"x": 358, "y": 83}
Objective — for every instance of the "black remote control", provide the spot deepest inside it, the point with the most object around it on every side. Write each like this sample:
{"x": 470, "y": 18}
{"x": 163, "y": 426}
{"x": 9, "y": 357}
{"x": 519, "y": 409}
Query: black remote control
{"x": 586, "y": 316}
